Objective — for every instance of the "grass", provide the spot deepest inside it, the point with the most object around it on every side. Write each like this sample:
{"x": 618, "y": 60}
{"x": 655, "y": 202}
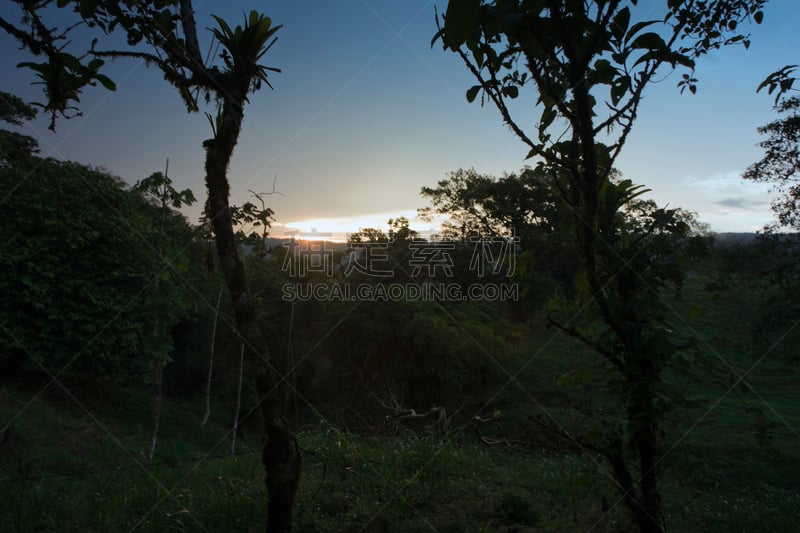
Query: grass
{"x": 733, "y": 458}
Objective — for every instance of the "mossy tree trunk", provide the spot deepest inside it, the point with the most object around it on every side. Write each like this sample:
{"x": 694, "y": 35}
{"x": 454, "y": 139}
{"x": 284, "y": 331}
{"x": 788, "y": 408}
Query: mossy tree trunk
{"x": 281, "y": 453}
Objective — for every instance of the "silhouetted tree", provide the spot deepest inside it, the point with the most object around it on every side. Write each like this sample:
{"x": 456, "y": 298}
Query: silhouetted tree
{"x": 164, "y": 34}
{"x": 572, "y": 55}
{"x": 780, "y": 166}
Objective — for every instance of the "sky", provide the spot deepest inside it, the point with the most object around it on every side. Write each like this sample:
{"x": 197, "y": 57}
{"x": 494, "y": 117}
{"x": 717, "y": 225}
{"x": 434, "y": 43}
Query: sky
{"x": 365, "y": 113}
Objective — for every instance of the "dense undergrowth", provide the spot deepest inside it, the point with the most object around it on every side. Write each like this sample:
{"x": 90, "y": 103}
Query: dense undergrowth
{"x": 71, "y": 460}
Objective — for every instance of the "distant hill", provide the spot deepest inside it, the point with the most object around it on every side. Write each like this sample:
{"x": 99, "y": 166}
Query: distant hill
{"x": 282, "y": 243}
{"x": 734, "y": 238}
{"x": 280, "y": 246}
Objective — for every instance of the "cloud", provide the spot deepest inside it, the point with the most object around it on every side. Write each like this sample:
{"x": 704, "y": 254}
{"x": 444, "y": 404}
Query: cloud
{"x": 716, "y": 181}
{"x": 740, "y": 202}
{"x": 339, "y": 228}
{"x": 725, "y": 200}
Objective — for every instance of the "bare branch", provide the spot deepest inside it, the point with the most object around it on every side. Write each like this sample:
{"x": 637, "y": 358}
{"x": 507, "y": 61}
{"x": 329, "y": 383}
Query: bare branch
{"x": 273, "y": 191}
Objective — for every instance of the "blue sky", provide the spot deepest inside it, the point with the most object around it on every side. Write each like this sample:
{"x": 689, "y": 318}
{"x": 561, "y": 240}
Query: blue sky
{"x": 365, "y": 113}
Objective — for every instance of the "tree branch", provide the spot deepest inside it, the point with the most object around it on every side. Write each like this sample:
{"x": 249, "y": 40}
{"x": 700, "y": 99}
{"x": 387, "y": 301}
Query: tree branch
{"x": 35, "y": 46}
{"x": 499, "y": 103}
{"x": 572, "y": 332}
{"x": 190, "y": 32}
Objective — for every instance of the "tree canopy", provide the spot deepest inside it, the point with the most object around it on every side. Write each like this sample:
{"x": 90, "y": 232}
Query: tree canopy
{"x": 780, "y": 166}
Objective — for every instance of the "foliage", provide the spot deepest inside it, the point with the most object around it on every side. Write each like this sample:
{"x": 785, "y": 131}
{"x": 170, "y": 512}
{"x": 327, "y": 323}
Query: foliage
{"x": 61, "y": 471}
{"x": 246, "y": 45}
{"x": 780, "y": 82}
{"x": 168, "y": 245}
{"x": 13, "y": 110}
{"x": 780, "y": 166}
{"x": 65, "y": 72}
{"x": 509, "y": 45}
{"x": 776, "y": 252}
{"x": 157, "y": 187}
{"x": 521, "y": 206}
{"x": 15, "y": 146}
{"x": 767, "y": 269}
{"x": 76, "y": 266}
{"x": 572, "y": 55}
{"x": 419, "y": 354}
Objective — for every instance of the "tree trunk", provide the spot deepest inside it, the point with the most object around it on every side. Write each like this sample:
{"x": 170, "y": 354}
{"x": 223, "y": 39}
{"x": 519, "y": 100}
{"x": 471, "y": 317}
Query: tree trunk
{"x": 238, "y": 403}
{"x": 288, "y": 396}
{"x": 650, "y": 515}
{"x": 158, "y": 371}
{"x": 641, "y": 416}
{"x": 207, "y": 412}
{"x": 158, "y": 395}
{"x": 281, "y": 453}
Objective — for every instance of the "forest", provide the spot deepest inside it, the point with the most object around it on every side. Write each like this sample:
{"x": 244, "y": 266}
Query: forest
{"x": 562, "y": 354}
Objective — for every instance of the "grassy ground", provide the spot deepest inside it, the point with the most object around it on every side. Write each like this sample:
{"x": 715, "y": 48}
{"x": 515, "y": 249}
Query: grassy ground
{"x": 732, "y": 461}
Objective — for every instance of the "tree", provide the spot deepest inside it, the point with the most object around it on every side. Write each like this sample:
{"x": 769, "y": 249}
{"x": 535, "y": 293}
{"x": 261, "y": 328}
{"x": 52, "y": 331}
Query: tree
{"x": 516, "y": 205}
{"x": 368, "y": 235}
{"x": 676, "y": 235}
{"x": 572, "y": 54}
{"x": 164, "y": 34}
{"x": 520, "y": 204}
{"x": 400, "y": 231}
{"x": 71, "y": 304}
{"x": 780, "y": 166}
{"x": 157, "y": 188}
{"x": 15, "y": 146}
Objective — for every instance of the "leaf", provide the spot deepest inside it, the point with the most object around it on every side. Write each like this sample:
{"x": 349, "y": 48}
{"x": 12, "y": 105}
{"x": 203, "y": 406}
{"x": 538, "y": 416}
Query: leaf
{"x": 226, "y": 30}
{"x": 439, "y": 35}
{"x": 620, "y": 23}
{"x": 461, "y": 19}
{"x": 106, "y": 82}
{"x": 650, "y": 41}
{"x": 548, "y": 116}
{"x": 87, "y": 8}
{"x": 511, "y": 91}
{"x": 668, "y": 56}
{"x": 758, "y": 17}
{"x": 603, "y": 73}
{"x": 639, "y": 26}
{"x": 620, "y": 87}
{"x": 472, "y": 93}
